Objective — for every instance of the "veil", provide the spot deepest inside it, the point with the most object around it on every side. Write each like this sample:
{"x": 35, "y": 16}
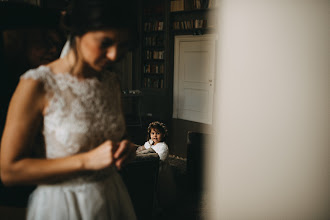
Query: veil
{"x": 65, "y": 49}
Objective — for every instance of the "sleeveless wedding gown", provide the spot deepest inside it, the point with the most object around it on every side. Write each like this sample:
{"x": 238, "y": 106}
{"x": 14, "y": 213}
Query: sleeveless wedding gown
{"x": 81, "y": 115}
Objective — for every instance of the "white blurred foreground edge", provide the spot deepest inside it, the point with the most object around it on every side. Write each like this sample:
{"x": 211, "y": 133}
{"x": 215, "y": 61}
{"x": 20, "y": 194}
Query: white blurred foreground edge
{"x": 271, "y": 155}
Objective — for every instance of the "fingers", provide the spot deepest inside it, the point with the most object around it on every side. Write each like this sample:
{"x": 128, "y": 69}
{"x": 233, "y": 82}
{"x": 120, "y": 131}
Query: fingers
{"x": 110, "y": 153}
{"x": 100, "y": 157}
{"x": 124, "y": 159}
{"x": 114, "y": 146}
{"x": 122, "y": 148}
{"x": 124, "y": 153}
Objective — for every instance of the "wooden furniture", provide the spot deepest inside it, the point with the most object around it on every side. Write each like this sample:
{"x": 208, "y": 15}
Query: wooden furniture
{"x": 132, "y": 100}
{"x": 140, "y": 177}
{"x": 193, "y": 22}
{"x": 196, "y": 147}
{"x": 154, "y": 38}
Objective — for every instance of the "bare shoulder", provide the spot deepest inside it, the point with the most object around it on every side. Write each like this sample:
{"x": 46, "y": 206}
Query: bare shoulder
{"x": 58, "y": 66}
{"x": 24, "y": 115}
{"x": 28, "y": 96}
{"x": 28, "y": 87}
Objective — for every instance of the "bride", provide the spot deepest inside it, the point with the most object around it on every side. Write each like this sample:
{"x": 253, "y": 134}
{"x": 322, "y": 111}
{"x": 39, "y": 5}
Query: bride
{"x": 74, "y": 104}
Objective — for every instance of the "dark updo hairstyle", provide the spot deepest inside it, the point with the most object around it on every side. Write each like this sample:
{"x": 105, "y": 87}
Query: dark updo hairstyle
{"x": 91, "y": 15}
{"x": 16, "y": 15}
{"x": 158, "y": 126}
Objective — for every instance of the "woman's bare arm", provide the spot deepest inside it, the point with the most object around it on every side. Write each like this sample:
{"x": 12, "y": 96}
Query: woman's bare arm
{"x": 23, "y": 122}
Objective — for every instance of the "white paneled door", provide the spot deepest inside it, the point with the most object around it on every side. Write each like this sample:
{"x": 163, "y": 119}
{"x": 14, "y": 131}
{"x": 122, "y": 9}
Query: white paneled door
{"x": 194, "y": 70}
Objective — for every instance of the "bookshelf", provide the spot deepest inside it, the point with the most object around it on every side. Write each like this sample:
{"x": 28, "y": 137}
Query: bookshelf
{"x": 154, "y": 60}
{"x": 154, "y": 38}
{"x": 159, "y": 25}
{"x": 196, "y": 18}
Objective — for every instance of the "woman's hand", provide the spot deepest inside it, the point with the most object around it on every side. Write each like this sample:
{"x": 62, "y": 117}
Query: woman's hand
{"x": 124, "y": 153}
{"x": 109, "y": 153}
{"x": 100, "y": 157}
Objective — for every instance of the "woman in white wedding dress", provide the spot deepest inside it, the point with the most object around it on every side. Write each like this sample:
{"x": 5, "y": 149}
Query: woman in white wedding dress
{"x": 74, "y": 104}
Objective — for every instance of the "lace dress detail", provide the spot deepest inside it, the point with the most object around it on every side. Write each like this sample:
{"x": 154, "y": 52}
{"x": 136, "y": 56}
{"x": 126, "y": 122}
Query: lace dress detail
{"x": 80, "y": 115}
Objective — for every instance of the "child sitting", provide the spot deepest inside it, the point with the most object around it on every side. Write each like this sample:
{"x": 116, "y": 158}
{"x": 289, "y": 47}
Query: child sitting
{"x": 166, "y": 189}
{"x": 157, "y": 133}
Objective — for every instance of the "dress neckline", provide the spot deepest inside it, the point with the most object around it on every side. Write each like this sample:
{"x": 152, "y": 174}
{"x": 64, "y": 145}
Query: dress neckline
{"x": 71, "y": 77}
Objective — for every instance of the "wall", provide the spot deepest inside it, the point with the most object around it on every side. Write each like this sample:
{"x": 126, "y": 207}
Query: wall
{"x": 156, "y": 103}
{"x": 124, "y": 71}
{"x": 178, "y": 130}
{"x": 271, "y": 157}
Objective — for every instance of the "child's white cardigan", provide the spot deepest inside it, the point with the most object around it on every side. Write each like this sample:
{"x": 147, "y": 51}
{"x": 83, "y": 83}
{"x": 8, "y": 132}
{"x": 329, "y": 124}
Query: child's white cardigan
{"x": 161, "y": 149}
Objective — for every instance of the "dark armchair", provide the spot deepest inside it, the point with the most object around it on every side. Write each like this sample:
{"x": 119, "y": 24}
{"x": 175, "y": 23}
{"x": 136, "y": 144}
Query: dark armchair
{"x": 140, "y": 177}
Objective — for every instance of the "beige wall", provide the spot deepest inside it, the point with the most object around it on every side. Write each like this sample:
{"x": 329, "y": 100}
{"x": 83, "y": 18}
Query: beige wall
{"x": 271, "y": 157}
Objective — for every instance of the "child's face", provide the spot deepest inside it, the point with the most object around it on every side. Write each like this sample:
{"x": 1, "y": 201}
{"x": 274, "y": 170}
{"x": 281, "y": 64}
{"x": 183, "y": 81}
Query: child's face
{"x": 156, "y": 136}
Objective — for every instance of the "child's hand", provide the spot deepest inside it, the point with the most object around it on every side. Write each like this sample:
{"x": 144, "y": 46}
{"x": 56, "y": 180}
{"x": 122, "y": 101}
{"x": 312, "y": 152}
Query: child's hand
{"x": 140, "y": 148}
{"x": 146, "y": 151}
{"x": 150, "y": 150}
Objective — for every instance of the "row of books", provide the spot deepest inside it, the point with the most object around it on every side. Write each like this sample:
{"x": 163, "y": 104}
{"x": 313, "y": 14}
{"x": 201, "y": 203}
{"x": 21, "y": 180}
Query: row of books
{"x": 154, "y": 41}
{"x": 181, "y": 5}
{"x": 154, "y": 26}
{"x": 154, "y": 54}
{"x": 200, "y": 4}
{"x": 153, "y": 83}
{"x": 190, "y": 24}
{"x": 154, "y": 68}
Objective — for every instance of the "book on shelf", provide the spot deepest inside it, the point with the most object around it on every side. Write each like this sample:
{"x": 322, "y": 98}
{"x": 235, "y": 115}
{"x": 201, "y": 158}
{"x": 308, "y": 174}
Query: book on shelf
{"x": 154, "y": 54}
{"x": 153, "y": 83}
{"x": 214, "y": 3}
{"x": 154, "y": 44}
{"x": 202, "y": 4}
{"x": 154, "y": 68}
{"x": 154, "y": 41}
{"x": 177, "y": 5}
{"x": 189, "y": 24}
{"x": 154, "y": 26}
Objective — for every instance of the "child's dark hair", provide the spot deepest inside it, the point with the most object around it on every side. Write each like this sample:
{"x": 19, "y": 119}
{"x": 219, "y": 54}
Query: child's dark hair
{"x": 158, "y": 126}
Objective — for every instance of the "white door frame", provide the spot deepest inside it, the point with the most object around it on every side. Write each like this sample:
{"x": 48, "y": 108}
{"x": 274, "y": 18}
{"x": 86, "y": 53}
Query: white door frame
{"x": 178, "y": 40}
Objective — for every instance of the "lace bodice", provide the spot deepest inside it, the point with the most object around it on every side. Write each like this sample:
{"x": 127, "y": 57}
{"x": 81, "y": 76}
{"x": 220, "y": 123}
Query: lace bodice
{"x": 81, "y": 114}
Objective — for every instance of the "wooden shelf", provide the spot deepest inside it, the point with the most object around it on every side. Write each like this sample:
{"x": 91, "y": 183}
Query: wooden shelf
{"x": 195, "y": 31}
{"x": 154, "y": 47}
{"x": 153, "y": 32}
{"x": 156, "y": 75}
{"x": 154, "y": 60}
{"x": 155, "y": 26}
{"x": 150, "y": 18}
{"x": 155, "y": 91}
{"x": 193, "y": 11}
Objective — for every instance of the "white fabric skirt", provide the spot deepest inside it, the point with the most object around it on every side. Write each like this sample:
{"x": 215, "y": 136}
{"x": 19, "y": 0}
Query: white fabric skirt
{"x": 83, "y": 200}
